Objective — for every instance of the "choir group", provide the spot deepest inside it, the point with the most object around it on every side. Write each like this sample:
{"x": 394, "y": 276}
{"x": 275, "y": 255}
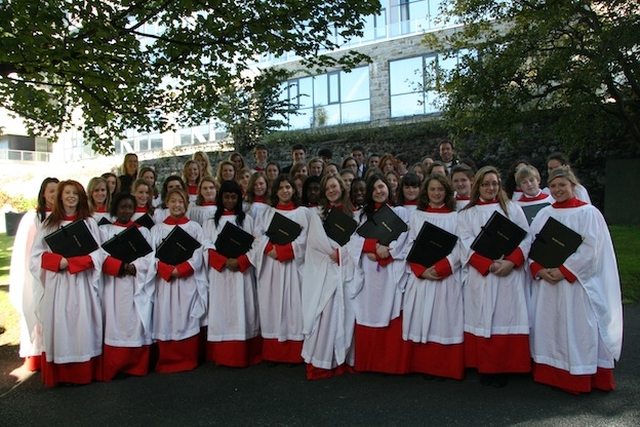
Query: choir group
{"x": 367, "y": 266}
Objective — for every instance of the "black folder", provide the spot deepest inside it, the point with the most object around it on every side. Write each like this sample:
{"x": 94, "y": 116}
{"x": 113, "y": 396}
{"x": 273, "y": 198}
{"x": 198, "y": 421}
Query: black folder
{"x": 530, "y": 211}
{"x": 339, "y": 226}
{"x": 499, "y": 236}
{"x": 233, "y": 241}
{"x": 282, "y": 230}
{"x": 554, "y": 244}
{"x": 385, "y": 226}
{"x": 431, "y": 245}
{"x": 145, "y": 221}
{"x": 177, "y": 247}
{"x": 127, "y": 246}
{"x": 104, "y": 221}
{"x": 72, "y": 240}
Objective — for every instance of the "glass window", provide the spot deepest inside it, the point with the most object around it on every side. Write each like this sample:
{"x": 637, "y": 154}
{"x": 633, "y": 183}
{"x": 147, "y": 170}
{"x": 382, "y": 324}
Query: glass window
{"x": 355, "y": 85}
{"x": 405, "y": 75}
{"x": 334, "y": 88}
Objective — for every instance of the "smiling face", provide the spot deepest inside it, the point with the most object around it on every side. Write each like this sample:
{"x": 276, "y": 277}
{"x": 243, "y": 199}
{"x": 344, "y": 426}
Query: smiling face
{"x": 332, "y": 191}
{"x": 208, "y": 191}
{"x": 131, "y": 164}
{"x": 229, "y": 201}
{"x": 285, "y": 192}
{"x": 124, "y": 211}
{"x": 393, "y": 182}
{"x": 141, "y": 193}
{"x": 261, "y": 156}
{"x": 176, "y": 205}
{"x": 446, "y": 152}
{"x": 315, "y": 168}
{"x": 410, "y": 192}
{"x": 380, "y": 192}
{"x": 313, "y": 193}
{"x": 70, "y": 199}
{"x": 243, "y": 179}
{"x": 202, "y": 163}
{"x": 489, "y": 186}
{"x": 237, "y": 160}
{"x": 298, "y": 155}
{"x": 462, "y": 184}
{"x": 436, "y": 193}
{"x": 351, "y": 164}
{"x": 228, "y": 172}
{"x": 99, "y": 194}
{"x": 272, "y": 172}
{"x": 193, "y": 173}
{"x": 373, "y": 161}
{"x": 111, "y": 183}
{"x": 359, "y": 193}
{"x": 50, "y": 194}
{"x": 561, "y": 189}
{"x": 260, "y": 187}
{"x": 149, "y": 178}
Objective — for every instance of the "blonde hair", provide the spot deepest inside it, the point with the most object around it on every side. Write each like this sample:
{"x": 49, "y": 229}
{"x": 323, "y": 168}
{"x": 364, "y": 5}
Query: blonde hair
{"x": 563, "y": 172}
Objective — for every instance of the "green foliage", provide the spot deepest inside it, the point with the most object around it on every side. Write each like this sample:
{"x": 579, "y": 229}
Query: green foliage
{"x": 570, "y": 65}
{"x": 19, "y": 202}
{"x": 625, "y": 241}
{"x": 151, "y": 65}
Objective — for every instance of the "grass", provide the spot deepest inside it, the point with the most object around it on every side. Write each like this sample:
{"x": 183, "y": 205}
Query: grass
{"x": 626, "y": 240}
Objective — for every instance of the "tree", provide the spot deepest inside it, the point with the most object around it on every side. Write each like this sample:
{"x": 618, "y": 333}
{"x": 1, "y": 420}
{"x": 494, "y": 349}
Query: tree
{"x": 571, "y": 65}
{"x": 152, "y": 65}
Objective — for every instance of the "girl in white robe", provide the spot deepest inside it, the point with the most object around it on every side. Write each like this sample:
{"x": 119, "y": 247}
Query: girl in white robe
{"x": 180, "y": 304}
{"x": 69, "y": 305}
{"x": 329, "y": 316}
{"x": 233, "y": 336}
{"x": 127, "y": 299}
{"x": 496, "y": 321}
{"x": 99, "y": 199}
{"x": 461, "y": 178}
{"x": 21, "y": 282}
{"x": 257, "y": 194}
{"x": 279, "y": 277}
{"x": 409, "y": 190}
{"x": 204, "y": 207}
{"x": 142, "y": 192}
{"x": 432, "y": 318}
{"x": 577, "y": 327}
{"x": 381, "y": 277}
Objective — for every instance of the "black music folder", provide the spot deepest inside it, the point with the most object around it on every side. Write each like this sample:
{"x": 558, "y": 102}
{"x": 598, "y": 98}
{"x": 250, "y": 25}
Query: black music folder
{"x": 385, "y": 226}
{"x": 339, "y": 226}
{"x": 177, "y": 247}
{"x": 499, "y": 236}
{"x": 145, "y": 221}
{"x": 128, "y": 245}
{"x": 104, "y": 221}
{"x": 72, "y": 240}
{"x": 554, "y": 244}
{"x": 530, "y": 211}
{"x": 431, "y": 245}
{"x": 233, "y": 241}
{"x": 282, "y": 230}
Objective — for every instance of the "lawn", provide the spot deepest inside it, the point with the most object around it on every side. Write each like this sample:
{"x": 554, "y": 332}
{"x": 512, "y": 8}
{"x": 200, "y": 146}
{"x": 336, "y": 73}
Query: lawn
{"x": 626, "y": 240}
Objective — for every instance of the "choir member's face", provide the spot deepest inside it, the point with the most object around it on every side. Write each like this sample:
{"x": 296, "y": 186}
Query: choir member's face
{"x": 208, "y": 191}
{"x": 174, "y": 184}
{"x": 439, "y": 169}
{"x": 410, "y": 192}
{"x": 303, "y": 172}
{"x": 359, "y": 192}
{"x": 348, "y": 179}
{"x": 124, "y": 211}
{"x": 50, "y": 194}
{"x": 553, "y": 164}
{"x": 462, "y": 184}
{"x": 141, "y": 194}
{"x": 388, "y": 166}
{"x": 149, "y": 178}
{"x": 561, "y": 189}
{"x": 176, "y": 205}
{"x": 530, "y": 186}
{"x": 380, "y": 192}
{"x": 243, "y": 179}
{"x": 70, "y": 198}
{"x": 313, "y": 193}
{"x": 193, "y": 172}
{"x": 260, "y": 187}
{"x": 272, "y": 172}
{"x": 202, "y": 163}
{"x": 298, "y": 155}
{"x": 228, "y": 172}
{"x": 229, "y": 201}
{"x": 435, "y": 192}
{"x": 261, "y": 156}
{"x": 373, "y": 161}
{"x": 418, "y": 171}
{"x": 330, "y": 169}
{"x": 393, "y": 182}
{"x": 285, "y": 192}
{"x": 237, "y": 160}
{"x": 99, "y": 194}
{"x": 131, "y": 165}
{"x": 489, "y": 186}
{"x": 427, "y": 161}
{"x": 111, "y": 183}
{"x": 315, "y": 168}
{"x": 332, "y": 191}
{"x": 351, "y": 164}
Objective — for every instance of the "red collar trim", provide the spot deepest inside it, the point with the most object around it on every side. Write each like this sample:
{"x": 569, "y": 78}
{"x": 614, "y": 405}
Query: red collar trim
{"x": 410, "y": 203}
{"x": 259, "y": 168}
{"x": 208, "y": 203}
{"x": 101, "y": 209}
{"x": 193, "y": 189}
{"x": 339, "y": 207}
{"x": 539, "y": 196}
{"x": 70, "y": 217}
{"x": 127, "y": 225}
{"x": 462, "y": 198}
{"x": 573, "y": 202}
{"x": 141, "y": 209}
{"x": 172, "y": 221}
{"x": 490, "y": 202}
{"x": 287, "y": 207}
{"x": 377, "y": 205}
{"x": 227, "y": 212}
{"x": 441, "y": 209}
{"x": 261, "y": 199}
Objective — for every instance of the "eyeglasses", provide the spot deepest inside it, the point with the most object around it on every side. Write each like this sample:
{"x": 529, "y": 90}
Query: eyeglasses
{"x": 490, "y": 184}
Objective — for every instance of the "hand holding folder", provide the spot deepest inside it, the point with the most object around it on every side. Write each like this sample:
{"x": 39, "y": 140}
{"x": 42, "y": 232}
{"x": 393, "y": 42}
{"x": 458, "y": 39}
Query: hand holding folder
{"x": 233, "y": 241}
{"x": 385, "y": 226}
{"x": 177, "y": 247}
{"x": 431, "y": 245}
{"x": 72, "y": 240}
{"x": 283, "y": 230}
{"x": 128, "y": 245}
{"x": 339, "y": 226}
{"x": 499, "y": 237}
{"x": 554, "y": 244}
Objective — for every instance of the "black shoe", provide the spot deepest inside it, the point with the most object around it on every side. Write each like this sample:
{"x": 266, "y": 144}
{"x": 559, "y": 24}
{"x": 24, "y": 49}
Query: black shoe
{"x": 272, "y": 364}
{"x": 486, "y": 379}
{"x": 501, "y": 380}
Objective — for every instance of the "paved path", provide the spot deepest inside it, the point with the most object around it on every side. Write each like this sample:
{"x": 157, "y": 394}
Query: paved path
{"x": 281, "y": 396}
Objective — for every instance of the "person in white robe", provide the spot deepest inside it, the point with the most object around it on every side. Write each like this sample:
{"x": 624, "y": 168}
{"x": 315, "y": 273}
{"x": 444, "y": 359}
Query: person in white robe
{"x": 461, "y": 178}
{"x": 329, "y": 316}
{"x": 204, "y": 206}
{"x": 432, "y": 318}
{"x": 21, "y": 282}
{"x": 279, "y": 277}
{"x": 257, "y": 194}
{"x": 577, "y": 321}
{"x": 127, "y": 299}
{"x": 68, "y": 304}
{"x": 233, "y": 336}
{"x": 496, "y": 321}
{"x": 180, "y": 304}
{"x": 99, "y": 199}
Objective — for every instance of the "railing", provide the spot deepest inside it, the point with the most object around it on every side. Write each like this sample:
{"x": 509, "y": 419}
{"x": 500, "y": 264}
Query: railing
{"x": 24, "y": 156}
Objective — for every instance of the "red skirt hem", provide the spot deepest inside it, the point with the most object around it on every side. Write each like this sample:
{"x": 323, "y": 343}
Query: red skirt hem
{"x": 71, "y": 373}
{"x": 574, "y": 384}
{"x": 178, "y": 356}
{"x": 33, "y": 363}
{"x": 497, "y": 354}
{"x": 314, "y": 373}
{"x": 441, "y": 360}
{"x": 282, "y": 351}
{"x": 129, "y": 360}
{"x": 236, "y": 354}
{"x": 381, "y": 349}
